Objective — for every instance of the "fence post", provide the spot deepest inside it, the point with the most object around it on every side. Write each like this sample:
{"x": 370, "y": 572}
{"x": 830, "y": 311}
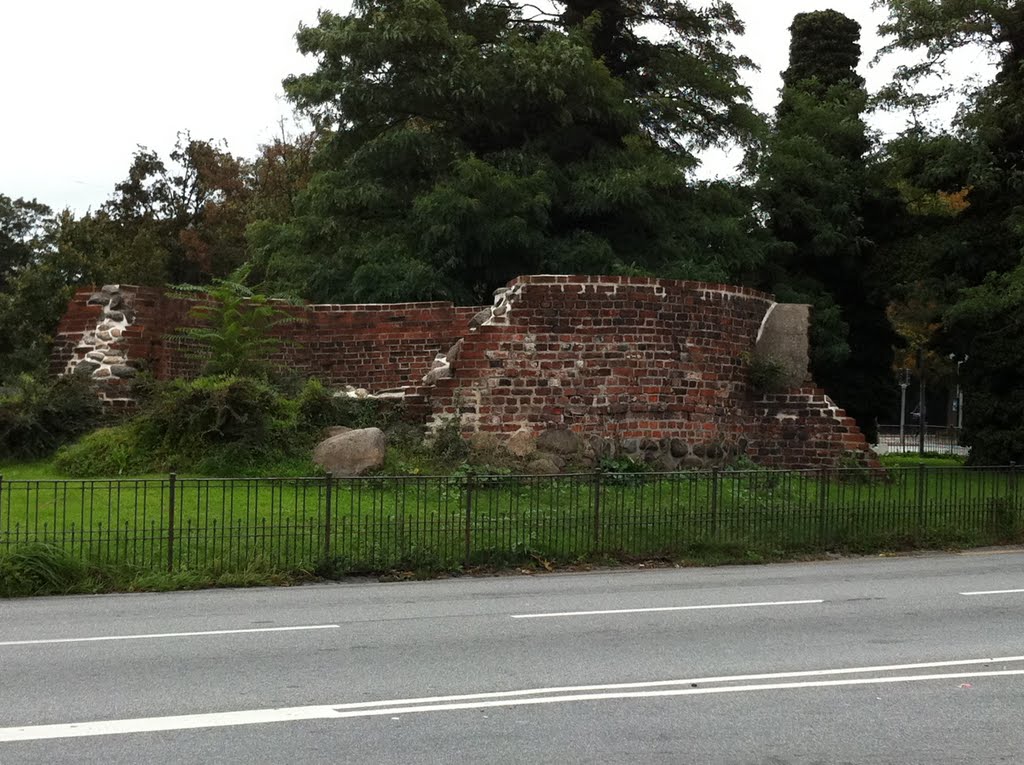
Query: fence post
{"x": 822, "y": 505}
{"x": 597, "y": 511}
{"x": 714, "y": 503}
{"x": 469, "y": 520}
{"x": 328, "y": 486}
{"x": 170, "y": 522}
{"x": 1014, "y": 509}
{"x": 920, "y": 497}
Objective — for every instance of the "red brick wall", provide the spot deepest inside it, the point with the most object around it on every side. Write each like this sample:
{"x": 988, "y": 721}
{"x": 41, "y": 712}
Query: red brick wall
{"x": 377, "y": 346}
{"x": 636, "y": 359}
{"x": 619, "y": 358}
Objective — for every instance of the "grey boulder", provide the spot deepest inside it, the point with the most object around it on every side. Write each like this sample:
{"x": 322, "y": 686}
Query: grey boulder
{"x": 352, "y": 453}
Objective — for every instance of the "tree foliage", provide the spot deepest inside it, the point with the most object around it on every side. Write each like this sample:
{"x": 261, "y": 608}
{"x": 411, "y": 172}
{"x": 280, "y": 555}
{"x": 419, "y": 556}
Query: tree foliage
{"x": 974, "y": 256}
{"x": 467, "y": 142}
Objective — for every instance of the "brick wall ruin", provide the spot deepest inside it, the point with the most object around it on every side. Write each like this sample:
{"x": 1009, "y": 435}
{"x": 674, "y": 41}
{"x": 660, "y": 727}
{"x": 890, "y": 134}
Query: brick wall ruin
{"x": 619, "y": 366}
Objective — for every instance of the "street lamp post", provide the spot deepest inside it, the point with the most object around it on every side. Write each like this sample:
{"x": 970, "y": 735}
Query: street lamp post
{"x": 904, "y": 383}
{"x": 959, "y": 399}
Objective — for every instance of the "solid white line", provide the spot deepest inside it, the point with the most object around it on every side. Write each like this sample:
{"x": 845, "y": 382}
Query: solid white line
{"x": 154, "y": 635}
{"x": 991, "y": 592}
{"x": 684, "y": 681}
{"x": 668, "y": 608}
{"x": 263, "y": 716}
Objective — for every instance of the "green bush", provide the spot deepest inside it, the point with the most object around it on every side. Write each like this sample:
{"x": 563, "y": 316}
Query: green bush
{"x": 766, "y": 375}
{"x": 107, "y": 452}
{"x": 37, "y": 416}
{"x": 190, "y": 416}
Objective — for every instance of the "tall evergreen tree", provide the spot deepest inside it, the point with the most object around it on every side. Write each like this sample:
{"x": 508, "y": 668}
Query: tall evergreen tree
{"x": 464, "y": 142}
{"x": 814, "y": 189}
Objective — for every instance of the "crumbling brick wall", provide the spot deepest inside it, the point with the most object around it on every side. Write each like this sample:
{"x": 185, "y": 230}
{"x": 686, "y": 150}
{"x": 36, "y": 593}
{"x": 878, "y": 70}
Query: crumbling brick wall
{"x": 629, "y": 366}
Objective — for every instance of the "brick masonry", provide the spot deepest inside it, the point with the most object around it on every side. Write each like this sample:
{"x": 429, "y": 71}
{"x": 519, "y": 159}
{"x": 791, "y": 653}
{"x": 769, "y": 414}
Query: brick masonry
{"x": 630, "y": 365}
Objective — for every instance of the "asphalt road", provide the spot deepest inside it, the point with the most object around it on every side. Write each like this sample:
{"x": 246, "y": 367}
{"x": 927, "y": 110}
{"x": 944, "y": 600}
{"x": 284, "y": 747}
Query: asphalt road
{"x": 876, "y": 660}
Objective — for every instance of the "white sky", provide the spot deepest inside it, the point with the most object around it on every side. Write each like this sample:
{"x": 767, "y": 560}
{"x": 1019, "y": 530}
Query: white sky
{"x": 85, "y": 83}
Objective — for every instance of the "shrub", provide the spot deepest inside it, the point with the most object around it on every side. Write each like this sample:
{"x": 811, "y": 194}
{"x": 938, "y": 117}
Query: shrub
{"x": 766, "y": 375}
{"x": 235, "y": 336}
{"x": 190, "y": 416}
{"x": 108, "y": 452}
{"x": 38, "y": 569}
{"x": 37, "y": 416}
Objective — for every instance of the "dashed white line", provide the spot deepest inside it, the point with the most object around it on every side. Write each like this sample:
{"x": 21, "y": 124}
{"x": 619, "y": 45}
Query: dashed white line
{"x": 992, "y": 592}
{"x": 669, "y": 608}
{"x": 156, "y": 635}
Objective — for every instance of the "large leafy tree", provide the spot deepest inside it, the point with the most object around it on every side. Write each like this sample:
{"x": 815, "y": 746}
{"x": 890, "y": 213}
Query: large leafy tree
{"x": 464, "y": 142}
{"x": 815, "y": 189}
{"x": 35, "y": 281}
{"x": 182, "y": 220}
{"x": 983, "y": 251}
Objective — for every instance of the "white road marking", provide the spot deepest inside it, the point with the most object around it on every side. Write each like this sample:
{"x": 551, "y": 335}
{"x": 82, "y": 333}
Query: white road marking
{"x": 155, "y": 635}
{"x": 669, "y": 608}
{"x": 498, "y": 699}
{"x": 992, "y": 592}
{"x": 291, "y": 714}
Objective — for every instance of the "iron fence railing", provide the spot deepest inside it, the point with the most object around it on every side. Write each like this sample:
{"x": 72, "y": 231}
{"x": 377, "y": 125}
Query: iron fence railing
{"x": 380, "y": 523}
{"x": 937, "y": 440}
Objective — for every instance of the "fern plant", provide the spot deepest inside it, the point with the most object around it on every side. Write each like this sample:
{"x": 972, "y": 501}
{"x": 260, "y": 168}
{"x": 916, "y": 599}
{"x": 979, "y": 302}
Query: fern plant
{"x": 235, "y": 335}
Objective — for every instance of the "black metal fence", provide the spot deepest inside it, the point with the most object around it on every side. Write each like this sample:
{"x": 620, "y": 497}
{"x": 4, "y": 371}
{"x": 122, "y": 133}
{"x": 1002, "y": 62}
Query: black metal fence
{"x": 376, "y": 523}
{"x": 936, "y": 440}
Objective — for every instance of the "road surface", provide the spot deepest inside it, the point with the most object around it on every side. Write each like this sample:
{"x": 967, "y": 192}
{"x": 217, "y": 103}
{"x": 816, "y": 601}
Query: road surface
{"x": 874, "y": 660}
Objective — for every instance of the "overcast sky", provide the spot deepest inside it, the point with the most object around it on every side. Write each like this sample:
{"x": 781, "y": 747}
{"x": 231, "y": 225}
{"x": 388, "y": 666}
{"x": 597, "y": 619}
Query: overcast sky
{"x": 85, "y": 83}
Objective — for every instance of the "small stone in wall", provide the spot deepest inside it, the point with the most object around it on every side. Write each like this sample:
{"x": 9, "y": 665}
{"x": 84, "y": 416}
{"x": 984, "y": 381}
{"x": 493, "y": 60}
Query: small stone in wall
{"x": 542, "y": 466}
{"x": 558, "y": 441}
{"x": 86, "y": 368}
{"x": 521, "y": 444}
{"x": 98, "y": 298}
{"x": 123, "y": 370}
{"x": 480, "y": 318}
{"x": 665, "y": 463}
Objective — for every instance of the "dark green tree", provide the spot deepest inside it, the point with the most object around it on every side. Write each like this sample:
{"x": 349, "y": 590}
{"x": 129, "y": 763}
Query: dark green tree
{"x": 984, "y": 246}
{"x": 465, "y": 142}
{"x": 35, "y": 284}
{"x": 815, "y": 189}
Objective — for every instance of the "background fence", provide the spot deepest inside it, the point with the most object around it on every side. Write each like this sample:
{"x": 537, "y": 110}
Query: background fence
{"x": 375, "y": 524}
{"x": 938, "y": 439}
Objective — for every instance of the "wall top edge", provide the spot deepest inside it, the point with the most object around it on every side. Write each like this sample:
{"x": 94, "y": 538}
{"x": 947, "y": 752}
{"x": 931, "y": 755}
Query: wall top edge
{"x": 681, "y": 285}
{"x": 676, "y": 285}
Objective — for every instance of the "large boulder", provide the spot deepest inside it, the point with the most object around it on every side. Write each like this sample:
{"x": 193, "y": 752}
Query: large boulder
{"x": 352, "y": 453}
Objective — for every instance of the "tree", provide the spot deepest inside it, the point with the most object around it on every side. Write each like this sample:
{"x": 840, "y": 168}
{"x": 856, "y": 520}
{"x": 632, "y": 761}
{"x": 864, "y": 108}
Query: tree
{"x": 982, "y": 254}
{"x": 465, "y": 142}
{"x": 177, "y": 222}
{"x": 35, "y": 284}
{"x": 815, "y": 189}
